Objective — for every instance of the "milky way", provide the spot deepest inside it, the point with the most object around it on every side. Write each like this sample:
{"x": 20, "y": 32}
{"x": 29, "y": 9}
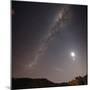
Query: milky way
{"x": 63, "y": 17}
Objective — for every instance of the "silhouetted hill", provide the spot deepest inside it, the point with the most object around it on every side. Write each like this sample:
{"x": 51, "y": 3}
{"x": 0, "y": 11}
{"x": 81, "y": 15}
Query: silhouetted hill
{"x": 24, "y": 83}
{"x": 78, "y": 81}
{"x": 31, "y": 83}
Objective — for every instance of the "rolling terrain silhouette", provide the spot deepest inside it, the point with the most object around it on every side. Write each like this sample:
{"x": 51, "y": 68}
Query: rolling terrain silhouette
{"x": 26, "y": 83}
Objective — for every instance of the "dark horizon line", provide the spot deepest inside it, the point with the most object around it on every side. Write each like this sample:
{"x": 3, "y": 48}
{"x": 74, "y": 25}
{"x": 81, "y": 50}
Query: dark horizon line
{"x": 47, "y": 78}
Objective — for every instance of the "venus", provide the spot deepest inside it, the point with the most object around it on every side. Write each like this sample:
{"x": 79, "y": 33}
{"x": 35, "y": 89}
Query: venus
{"x": 72, "y": 54}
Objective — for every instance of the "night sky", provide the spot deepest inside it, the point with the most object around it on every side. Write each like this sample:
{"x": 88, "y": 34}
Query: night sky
{"x": 49, "y": 41}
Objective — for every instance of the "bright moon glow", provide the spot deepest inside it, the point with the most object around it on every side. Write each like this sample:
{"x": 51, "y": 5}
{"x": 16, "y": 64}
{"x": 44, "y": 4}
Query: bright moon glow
{"x": 72, "y": 54}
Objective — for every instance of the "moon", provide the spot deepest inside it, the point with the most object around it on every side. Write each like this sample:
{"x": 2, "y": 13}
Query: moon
{"x": 72, "y": 54}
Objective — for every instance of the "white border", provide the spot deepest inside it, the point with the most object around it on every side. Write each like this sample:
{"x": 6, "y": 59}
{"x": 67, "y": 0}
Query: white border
{"x": 5, "y": 45}
{"x": 82, "y": 2}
